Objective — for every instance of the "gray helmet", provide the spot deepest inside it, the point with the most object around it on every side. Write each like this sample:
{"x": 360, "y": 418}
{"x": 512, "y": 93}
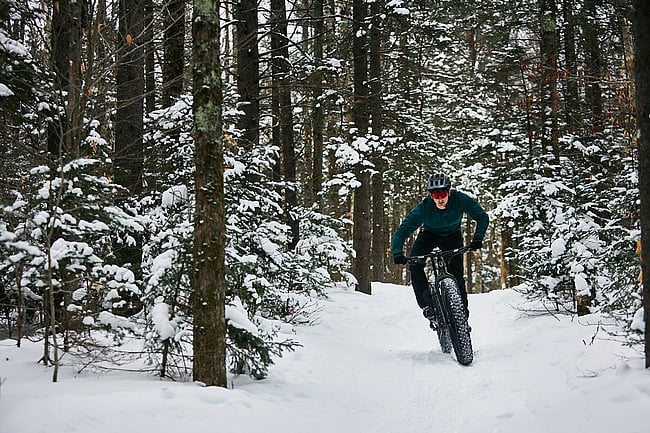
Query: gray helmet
{"x": 438, "y": 182}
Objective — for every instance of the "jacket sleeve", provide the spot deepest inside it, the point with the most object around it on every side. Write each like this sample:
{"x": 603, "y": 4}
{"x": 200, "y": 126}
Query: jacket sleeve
{"x": 476, "y": 212}
{"x": 411, "y": 223}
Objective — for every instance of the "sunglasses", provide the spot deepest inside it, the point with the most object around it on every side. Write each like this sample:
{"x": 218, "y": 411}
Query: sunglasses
{"x": 440, "y": 194}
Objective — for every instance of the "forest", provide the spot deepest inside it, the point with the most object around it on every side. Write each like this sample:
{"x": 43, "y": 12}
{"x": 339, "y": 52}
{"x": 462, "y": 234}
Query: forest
{"x": 191, "y": 175}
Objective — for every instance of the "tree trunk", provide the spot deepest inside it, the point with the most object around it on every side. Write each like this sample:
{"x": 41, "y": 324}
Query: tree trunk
{"x": 318, "y": 117}
{"x": 628, "y": 50}
{"x": 594, "y": 66}
{"x": 128, "y": 161}
{"x": 98, "y": 61}
{"x": 379, "y": 241}
{"x": 281, "y": 69}
{"x": 572, "y": 99}
{"x": 548, "y": 79}
{"x": 208, "y": 279}
{"x": 361, "y": 218}
{"x": 68, "y": 18}
{"x": 248, "y": 75}
{"x": 60, "y": 42}
{"x": 642, "y": 69}
{"x": 129, "y": 123}
{"x": 504, "y": 266}
{"x": 149, "y": 61}
{"x": 174, "y": 42}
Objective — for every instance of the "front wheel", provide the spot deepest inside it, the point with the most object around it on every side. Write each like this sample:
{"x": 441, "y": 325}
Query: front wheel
{"x": 458, "y": 326}
{"x": 444, "y": 337}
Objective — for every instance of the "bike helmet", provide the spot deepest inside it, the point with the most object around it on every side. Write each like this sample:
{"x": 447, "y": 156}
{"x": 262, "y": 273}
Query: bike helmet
{"x": 438, "y": 182}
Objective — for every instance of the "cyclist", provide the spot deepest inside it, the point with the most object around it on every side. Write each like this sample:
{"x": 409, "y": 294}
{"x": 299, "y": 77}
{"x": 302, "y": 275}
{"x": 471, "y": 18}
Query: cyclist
{"x": 440, "y": 216}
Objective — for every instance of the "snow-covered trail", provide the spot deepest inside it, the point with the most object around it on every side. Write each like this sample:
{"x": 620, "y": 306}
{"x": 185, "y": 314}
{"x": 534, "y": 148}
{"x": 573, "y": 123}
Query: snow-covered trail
{"x": 375, "y": 366}
{"x": 370, "y": 365}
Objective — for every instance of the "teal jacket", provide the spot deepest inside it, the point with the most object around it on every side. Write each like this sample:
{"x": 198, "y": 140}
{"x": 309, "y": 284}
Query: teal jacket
{"x": 441, "y": 222}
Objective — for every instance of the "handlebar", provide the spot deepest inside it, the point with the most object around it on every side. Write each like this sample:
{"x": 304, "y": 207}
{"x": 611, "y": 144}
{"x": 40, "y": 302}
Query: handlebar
{"x": 438, "y": 253}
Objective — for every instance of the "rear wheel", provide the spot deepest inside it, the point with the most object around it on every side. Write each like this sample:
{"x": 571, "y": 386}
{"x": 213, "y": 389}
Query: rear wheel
{"x": 458, "y": 326}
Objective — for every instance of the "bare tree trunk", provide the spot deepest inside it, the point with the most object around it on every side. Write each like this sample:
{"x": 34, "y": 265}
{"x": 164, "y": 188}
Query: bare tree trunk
{"x": 362, "y": 216}
{"x": 642, "y": 81}
{"x": 379, "y": 240}
{"x": 20, "y": 306}
{"x": 129, "y": 127}
{"x": 504, "y": 267}
{"x": 572, "y": 99}
{"x": 318, "y": 117}
{"x": 548, "y": 79}
{"x": 68, "y": 19}
{"x": 209, "y": 276}
{"x": 594, "y": 65}
{"x": 248, "y": 76}
{"x": 174, "y": 42}
{"x": 282, "y": 87}
{"x": 149, "y": 61}
{"x": 628, "y": 50}
{"x": 128, "y": 161}
{"x": 60, "y": 49}
{"x": 97, "y": 63}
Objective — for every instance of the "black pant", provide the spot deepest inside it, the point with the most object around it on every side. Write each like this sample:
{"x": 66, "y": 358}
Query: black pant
{"x": 425, "y": 242}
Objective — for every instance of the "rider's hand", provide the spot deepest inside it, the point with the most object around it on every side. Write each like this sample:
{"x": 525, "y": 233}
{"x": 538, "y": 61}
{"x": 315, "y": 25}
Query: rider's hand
{"x": 476, "y": 244}
{"x": 399, "y": 259}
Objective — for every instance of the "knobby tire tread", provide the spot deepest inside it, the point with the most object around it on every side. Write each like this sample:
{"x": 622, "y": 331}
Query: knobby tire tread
{"x": 458, "y": 326}
{"x": 444, "y": 338}
{"x": 443, "y": 332}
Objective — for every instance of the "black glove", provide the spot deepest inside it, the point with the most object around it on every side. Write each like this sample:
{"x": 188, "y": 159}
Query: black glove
{"x": 399, "y": 259}
{"x": 476, "y": 244}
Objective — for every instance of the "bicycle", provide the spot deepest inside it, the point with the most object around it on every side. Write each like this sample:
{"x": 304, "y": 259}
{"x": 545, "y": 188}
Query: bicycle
{"x": 451, "y": 321}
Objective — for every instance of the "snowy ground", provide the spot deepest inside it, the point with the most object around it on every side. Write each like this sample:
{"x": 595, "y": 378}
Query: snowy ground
{"x": 370, "y": 366}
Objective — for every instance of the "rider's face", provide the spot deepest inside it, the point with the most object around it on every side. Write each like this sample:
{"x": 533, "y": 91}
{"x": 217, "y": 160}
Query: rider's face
{"x": 440, "y": 199}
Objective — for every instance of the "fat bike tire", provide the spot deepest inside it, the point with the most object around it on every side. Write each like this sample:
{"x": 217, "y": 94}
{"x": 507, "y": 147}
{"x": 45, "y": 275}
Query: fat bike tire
{"x": 442, "y": 330}
{"x": 444, "y": 338}
{"x": 458, "y": 326}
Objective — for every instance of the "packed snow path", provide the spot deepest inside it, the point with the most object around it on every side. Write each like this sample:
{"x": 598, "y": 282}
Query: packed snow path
{"x": 370, "y": 365}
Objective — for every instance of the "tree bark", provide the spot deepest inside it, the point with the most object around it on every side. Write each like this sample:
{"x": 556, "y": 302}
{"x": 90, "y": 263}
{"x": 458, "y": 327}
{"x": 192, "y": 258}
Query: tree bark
{"x": 548, "y": 79}
{"x": 149, "y": 61}
{"x": 379, "y": 241}
{"x": 68, "y": 18}
{"x": 281, "y": 69}
{"x": 208, "y": 279}
{"x": 361, "y": 219}
{"x": 571, "y": 98}
{"x": 248, "y": 75}
{"x": 174, "y": 42}
{"x": 128, "y": 160}
{"x": 642, "y": 81}
{"x": 129, "y": 121}
{"x": 594, "y": 66}
{"x": 318, "y": 117}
